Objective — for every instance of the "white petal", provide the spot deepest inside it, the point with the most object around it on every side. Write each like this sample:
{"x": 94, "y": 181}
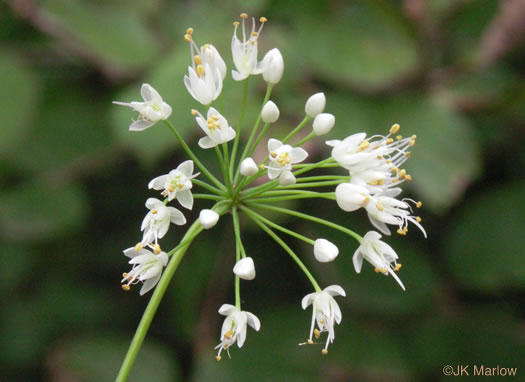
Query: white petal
{"x": 287, "y": 178}
{"x": 185, "y": 198}
{"x": 158, "y": 183}
{"x": 206, "y": 143}
{"x": 308, "y": 299}
{"x": 335, "y": 290}
{"x": 298, "y": 155}
{"x": 149, "y": 94}
{"x": 273, "y": 172}
{"x": 245, "y": 269}
{"x": 226, "y": 309}
{"x": 357, "y": 259}
{"x": 238, "y": 76}
{"x": 208, "y": 218}
{"x": 253, "y": 321}
{"x": 140, "y": 125}
{"x": 274, "y": 144}
{"x": 149, "y": 284}
{"x": 152, "y": 203}
{"x": 176, "y": 217}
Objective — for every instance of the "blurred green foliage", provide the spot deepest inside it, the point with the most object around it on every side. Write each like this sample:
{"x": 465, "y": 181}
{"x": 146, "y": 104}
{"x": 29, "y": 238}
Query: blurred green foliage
{"x": 73, "y": 183}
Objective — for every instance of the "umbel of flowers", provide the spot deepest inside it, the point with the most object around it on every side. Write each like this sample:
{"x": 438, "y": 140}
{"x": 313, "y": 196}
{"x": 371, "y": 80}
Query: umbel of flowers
{"x": 370, "y": 176}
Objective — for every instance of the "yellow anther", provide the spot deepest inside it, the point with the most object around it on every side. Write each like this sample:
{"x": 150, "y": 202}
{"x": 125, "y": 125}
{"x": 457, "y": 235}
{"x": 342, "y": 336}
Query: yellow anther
{"x": 138, "y": 247}
{"x": 194, "y": 112}
{"x": 402, "y": 173}
{"x": 364, "y": 145}
{"x": 399, "y": 137}
{"x": 180, "y": 185}
{"x": 414, "y": 136}
{"x": 394, "y": 129}
{"x": 389, "y": 141}
{"x": 401, "y": 232}
{"x": 126, "y": 288}
{"x": 408, "y": 177}
{"x": 254, "y": 34}
{"x": 263, "y": 19}
{"x": 262, "y": 167}
{"x": 405, "y": 229}
{"x": 317, "y": 333}
{"x": 283, "y": 159}
{"x": 379, "y": 206}
{"x": 228, "y": 334}
{"x": 365, "y": 202}
{"x": 187, "y": 37}
{"x": 200, "y": 70}
{"x": 418, "y": 219}
{"x": 321, "y": 321}
{"x": 197, "y": 59}
{"x": 244, "y": 15}
{"x": 218, "y": 358}
{"x": 419, "y": 204}
{"x": 156, "y": 249}
{"x": 395, "y": 180}
{"x": 388, "y": 162}
{"x": 379, "y": 157}
{"x": 324, "y": 351}
{"x": 377, "y": 270}
{"x": 215, "y": 117}
{"x": 252, "y": 42}
{"x": 273, "y": 154}
{"x": 154, "y": 212}
{"x": 412, "y": 142}
{"x": 124, "y": 275}
{"x": 407, "y": 154}
{"x": 171, "y": 189}
{"x": 235, "y": 23}
{"x": 398, "y": 267}
{"x": 189, "y": 31}
{"x": 310, "y": 342}
{"x": 395, "y": 169}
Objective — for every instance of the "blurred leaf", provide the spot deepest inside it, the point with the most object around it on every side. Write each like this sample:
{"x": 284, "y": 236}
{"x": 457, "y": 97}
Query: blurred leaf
{"x": 18, "y": 261}
{"x": 445, "y": 158}
{"x": 35, "y": 211}
{"x": 484, "y": 246}
{"x": 359, "y": 44}
{"x": 17, "y": 100}
{"x": 65, "y": 131}
{"x": 98, "y": 358}
{"x": 127, "y": 44}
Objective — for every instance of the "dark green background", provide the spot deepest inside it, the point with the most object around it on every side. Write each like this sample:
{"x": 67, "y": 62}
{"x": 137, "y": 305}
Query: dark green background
{"x": 73, "y": 181}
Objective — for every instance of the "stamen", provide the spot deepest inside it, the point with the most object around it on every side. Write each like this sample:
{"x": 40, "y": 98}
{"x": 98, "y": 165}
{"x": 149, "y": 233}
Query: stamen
{"x": 379, "y": 206}
{"x": 418, "y": 219}
{"x": 389, "y": 141}
{"x": 394, "y": 129}
{"x": 263, "y": 19}
{"x": 197, "y": 60}
{"x": 171, "y": 189}
{"x": 244, "y": 15}
{"x": 124, "y": 275}
{"x": 187, "y": 37}
{"x": 401, "y": 232}
{"x": 407, "y": 154}
{"x": 126, "y": 288}
{"x": 408, "y": 177}
{"x": 324, "y": 351}
{"x": 402, "y": 173}
{"x": 273, "y": 154}
{"x": 412, "y": 142}
{"x": 399, "y": 137}
{"x": 228, "y": 335}
{"x": 377, "y": 270}
{"x": 138, "y": 247}
{"x": 317, "y": 333}
{"x": 200, "y": 70}
{"x": 194, "y": 112}
{"x": 419, "y": 204}
{"x": 215, "y": 117}
{"x": 189, "y": 31}
{"x": 235, "y": 24}
{"x": 254, "y": 34}
{"x": 310, "y": 342}
{"x": 156, "y": 249}
{"x": 364, "y": 145}
{"x": 218, "y": 358}
{"x": 398, "y": 267}
{"x": 154, "y": 212}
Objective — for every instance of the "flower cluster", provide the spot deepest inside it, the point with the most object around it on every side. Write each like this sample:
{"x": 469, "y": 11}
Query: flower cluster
{"x": 373, "y": 179}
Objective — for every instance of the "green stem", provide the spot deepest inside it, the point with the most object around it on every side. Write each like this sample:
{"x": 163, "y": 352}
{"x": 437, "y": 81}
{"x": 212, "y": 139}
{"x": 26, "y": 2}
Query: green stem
{"x": 296, "y": 130}
{"x": 207, "y": 186}
{"x": 186, "y": 148}
{"x": 224, "y": 169}
{"x": 278, "y": 227}
{"x": 312, "y": 184}
{"x": 305, "y": 139}
{"x": 310, "y": 218}
{"x": 238, "y": 249}
{"x": 289, "y": 251}
{"x": 239, "y": 127}
{"x": 263, "y": 199}
{"x": 209, "y": 197}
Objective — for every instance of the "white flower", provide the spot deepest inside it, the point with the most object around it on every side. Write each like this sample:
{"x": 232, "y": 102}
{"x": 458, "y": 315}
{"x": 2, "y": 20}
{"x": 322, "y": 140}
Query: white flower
{"x": 282, "y": 157}
{"x": 207, "y": 70}
{"x": 208, "y": 218}
{"x": 351, "y": 197}
{"x": 245, "y": 52}
{"x": 315, "y": 105}
{"x": 323, "y": 123}
{"x": 152, "y": 110}
{"x": 157, "y": 221}
{"x": 216, "y": 128}
{"x": 147, "y": 268}
{"x": 385, "y": 209}
{"x": 326, "y": 312}
{"x": 287, "y": 178}
{"x": 248, "y": 167}
{"x": 325, "y": 251}
{"x": 272, "y": 66}
{"x": 379, "y": 254}
{"x": 270, "y": 112}
{"x": 245, "y": 269}
{"x": 177, "y": 184}
{"x": 234, "y": 327}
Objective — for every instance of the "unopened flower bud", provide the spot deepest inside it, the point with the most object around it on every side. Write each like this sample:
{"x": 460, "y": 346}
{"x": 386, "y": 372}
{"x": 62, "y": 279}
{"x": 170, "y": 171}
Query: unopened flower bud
{"x": 272, "y": 66}
{"x": 287, "y": 178}
{"x": 315, "y": 105}
{"x": 270, "y": 112}
{"x": 245, "y": 269}
{"x": 249, "y": 167}
{"x": 323, "y": 123}
{"x": 208, "y": 218}
{"x": 325, "y": 251}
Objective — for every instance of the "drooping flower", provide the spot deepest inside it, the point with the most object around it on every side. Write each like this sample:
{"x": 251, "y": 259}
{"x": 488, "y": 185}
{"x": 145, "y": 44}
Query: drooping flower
{"x": 282, "y": 157}
{"x": 326, "y": 312}
{"x": 207, "y": 70}
{"x": 177, "y": 184}
{"x": 379, "y": 254}
{"x": 245, "y": 269}
{"x": 216, "y": 128}
{"x": 234, "y": 327}
{"x": 385, "y": 209}
{"x": 147, "y": 268}
{"x": 158, "y": 219}
{"x": 245, "y": 52}
{"x": 325, "y": 251}
{"x": 152, "y": 110}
